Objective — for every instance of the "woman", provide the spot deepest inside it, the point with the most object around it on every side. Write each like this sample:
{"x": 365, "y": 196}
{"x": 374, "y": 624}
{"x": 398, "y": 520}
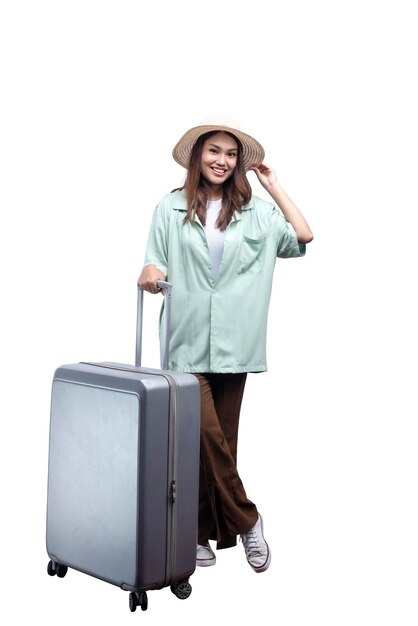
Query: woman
{"x": 218, "y": 245}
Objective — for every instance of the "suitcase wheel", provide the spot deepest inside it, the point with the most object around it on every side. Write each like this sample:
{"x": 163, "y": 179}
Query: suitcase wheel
{"x": 56, "y": 568}
{"x": 138, "y": 599}
{"x": 51, "y": 569}
{"x": 182, "y": 589}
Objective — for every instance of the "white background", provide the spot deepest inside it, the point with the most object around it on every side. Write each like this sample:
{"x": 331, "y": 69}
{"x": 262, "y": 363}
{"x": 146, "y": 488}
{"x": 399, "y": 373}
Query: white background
{"x": 94, "y": 97}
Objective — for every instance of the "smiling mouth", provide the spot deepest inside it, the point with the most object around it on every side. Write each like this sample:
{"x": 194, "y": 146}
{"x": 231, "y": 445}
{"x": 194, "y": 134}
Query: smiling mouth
{"x": 218, "y": 171}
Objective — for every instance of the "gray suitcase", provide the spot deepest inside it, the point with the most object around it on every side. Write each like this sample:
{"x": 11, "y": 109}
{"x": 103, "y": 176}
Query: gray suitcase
{"x": 123, "y": 472}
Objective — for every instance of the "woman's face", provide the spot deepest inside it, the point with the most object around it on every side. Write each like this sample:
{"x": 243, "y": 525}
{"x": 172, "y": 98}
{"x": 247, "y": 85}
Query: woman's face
{"x": 219, "y": 158}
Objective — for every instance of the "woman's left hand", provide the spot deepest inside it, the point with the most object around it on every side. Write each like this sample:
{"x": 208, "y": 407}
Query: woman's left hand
{"x": 265, "y": 175}
{"x": 268, "y": 179}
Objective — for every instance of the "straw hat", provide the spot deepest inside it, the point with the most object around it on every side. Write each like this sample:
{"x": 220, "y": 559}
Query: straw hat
{"x": 253, "y": 152}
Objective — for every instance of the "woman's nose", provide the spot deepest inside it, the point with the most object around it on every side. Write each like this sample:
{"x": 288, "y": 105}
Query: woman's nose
{"x": 221, "y": 159}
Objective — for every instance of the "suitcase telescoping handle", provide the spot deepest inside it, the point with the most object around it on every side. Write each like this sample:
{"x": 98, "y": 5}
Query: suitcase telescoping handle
{"x": 166, "y": 288}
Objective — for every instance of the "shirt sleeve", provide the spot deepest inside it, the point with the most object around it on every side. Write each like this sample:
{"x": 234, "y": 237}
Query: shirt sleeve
{"x": 287, "y": 241}
{"x": 157, "y": 246}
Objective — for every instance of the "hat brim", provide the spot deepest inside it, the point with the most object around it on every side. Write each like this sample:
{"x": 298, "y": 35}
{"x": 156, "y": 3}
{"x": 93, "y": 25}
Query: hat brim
{"x": 253, "y": 151}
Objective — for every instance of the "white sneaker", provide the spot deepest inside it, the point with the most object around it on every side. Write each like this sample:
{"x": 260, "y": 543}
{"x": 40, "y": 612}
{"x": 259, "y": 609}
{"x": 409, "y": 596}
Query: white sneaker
{"x": 256, "y": 548}
{"x": 205, "y": 556}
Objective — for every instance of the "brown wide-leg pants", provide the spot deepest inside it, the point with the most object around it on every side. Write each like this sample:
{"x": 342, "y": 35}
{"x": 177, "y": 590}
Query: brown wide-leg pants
{"x": 224, "y": 509}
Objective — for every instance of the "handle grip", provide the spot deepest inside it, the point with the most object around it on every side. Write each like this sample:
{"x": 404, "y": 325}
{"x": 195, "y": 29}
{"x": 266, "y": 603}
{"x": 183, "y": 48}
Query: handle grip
{"x": 166, "y": 288}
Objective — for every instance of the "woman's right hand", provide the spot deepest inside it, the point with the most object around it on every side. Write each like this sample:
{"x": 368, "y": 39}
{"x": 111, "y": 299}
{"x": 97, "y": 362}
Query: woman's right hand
{"x": 149, "y": 277}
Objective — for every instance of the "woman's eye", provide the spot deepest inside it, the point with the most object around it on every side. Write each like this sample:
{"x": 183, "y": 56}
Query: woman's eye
{"x": 212, "y": 150}
{"x": 232, "y": 155}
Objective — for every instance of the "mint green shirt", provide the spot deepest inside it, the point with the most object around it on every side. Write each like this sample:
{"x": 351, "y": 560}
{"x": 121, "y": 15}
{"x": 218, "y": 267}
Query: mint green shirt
{"x": 219, "y": 326}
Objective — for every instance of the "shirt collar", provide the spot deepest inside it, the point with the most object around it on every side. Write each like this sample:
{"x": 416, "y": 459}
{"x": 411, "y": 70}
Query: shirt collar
{"x": 180, "y": 203}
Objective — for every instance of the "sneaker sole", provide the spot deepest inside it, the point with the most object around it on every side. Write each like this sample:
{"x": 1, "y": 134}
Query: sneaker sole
{"x": 205, "y": 563}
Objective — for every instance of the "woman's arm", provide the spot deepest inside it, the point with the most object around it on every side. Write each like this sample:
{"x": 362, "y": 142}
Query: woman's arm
{"x": 268, "y": 179}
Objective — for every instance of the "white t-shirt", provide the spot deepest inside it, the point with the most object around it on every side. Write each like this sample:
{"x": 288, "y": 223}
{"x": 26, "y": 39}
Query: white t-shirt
{"x": 214, "y": 236}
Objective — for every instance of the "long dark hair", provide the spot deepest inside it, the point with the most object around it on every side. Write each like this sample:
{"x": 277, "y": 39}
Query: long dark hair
{"x": 236, "y": 189}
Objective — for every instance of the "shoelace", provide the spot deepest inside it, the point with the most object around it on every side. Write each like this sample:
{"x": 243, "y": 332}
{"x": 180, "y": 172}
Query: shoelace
{"x": 251, "y": 542}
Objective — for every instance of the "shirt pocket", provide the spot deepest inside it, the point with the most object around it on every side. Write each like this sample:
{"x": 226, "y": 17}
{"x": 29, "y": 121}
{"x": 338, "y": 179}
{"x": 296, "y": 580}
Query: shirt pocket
{"x": 251, "y": 255}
